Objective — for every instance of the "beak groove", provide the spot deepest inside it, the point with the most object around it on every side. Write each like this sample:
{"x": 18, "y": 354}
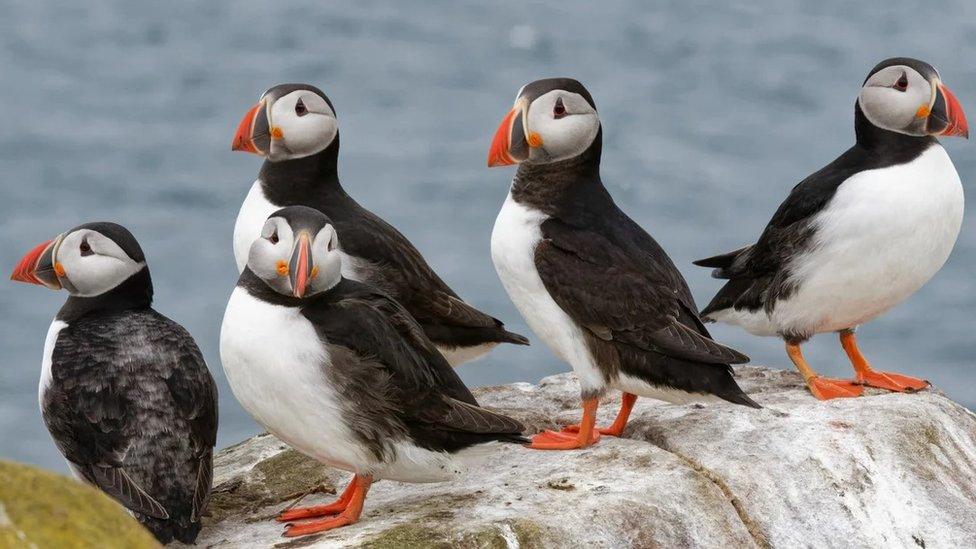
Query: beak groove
{"x": 37, "y": 266}
{"x": 509, "y": 145}
{"x": 252, "y": 132}
{"x": 300, "y": 269}
{"x": 947, "y": 111}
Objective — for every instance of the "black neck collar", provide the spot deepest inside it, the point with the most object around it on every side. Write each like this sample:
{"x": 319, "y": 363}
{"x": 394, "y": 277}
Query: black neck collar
{"x": 292, "y": 182}
{"x": 880, "y": 142}
{"x": 570, "y": 185}
{"x": 253, "y": 285}
{"x": 135, "y": 293}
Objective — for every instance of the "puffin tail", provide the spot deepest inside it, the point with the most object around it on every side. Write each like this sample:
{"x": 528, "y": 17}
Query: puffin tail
{"x": 514, "y": 338}
{"x": 181, "y": 528}
{"x": 740, "y": 397}
{"x": 721, "y": 263}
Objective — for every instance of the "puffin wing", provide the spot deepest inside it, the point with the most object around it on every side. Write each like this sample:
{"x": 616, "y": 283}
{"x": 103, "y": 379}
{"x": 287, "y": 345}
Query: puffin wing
{"x": 195, "y": 394}
{"x": 621, "y": 298}
{"x": 758, "y": 272}
{"x": 789, "y": 226}
{"x": 89, "y": 420}
{"x": 428, "y": 391}
{"x": 375, "y": 327}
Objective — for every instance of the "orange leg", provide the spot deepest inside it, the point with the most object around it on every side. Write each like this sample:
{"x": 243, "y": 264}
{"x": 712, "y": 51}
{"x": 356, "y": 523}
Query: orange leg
{"x": 823, "y": 388}
{"x": 334, "y": 508}
{"x": 349, "y": 515}
{"x": 873, "y": 378}
{"x": 617, "y": 427}
{"x": 586, "y": 436}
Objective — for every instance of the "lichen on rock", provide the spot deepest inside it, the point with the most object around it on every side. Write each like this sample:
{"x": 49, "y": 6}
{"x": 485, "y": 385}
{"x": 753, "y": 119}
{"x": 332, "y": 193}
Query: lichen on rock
{"x": 40, "y": 509}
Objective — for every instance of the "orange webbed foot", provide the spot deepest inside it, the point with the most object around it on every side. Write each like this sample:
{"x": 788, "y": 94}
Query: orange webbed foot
{"x": 611, "y": 431}
{"x": 891, "y": 381}
{"x": 826, "y": 388}
{"x": 554, "y": 440}
{"x": 322, "y": 525}
{"x": 299, "y": 513}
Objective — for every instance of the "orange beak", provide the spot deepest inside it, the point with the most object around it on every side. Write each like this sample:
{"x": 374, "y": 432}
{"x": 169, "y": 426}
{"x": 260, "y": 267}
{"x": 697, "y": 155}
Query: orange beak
{"x": 253, "y": 133}
{"x": 951, "y": 114}
{"x": 300, "y": 269}
{"x": 37, "y": 267}
{"x": 498, "y": 154}
{"x": 511, "y": 143}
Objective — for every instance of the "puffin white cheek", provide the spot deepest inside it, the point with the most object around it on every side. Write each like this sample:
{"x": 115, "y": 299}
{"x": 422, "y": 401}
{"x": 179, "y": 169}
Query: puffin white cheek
{"x": 888, "y": 108}
{"x": 568, "y": 137}
{"x": 310, "y": 134}
{"x": 96, "y": 274}
{"x": 328, "y": 271}
{"x": 268, "y": 261}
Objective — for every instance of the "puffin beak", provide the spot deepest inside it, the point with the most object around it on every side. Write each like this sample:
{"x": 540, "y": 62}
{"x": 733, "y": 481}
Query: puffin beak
{"x": 253, "y": 133}
{"x": 300, "y": 268}
{"x": 947, "y": 117}
{"x": 510, "y": 145}
{"x": 39, "y": 267}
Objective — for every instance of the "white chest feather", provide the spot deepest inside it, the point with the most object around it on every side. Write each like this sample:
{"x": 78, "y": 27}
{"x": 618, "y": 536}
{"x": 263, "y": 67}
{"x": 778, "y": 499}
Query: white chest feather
{"x": 884, "y": 234}
{"x": 250, "y": 220}
{"x": 513, "y": 242}
{"x": 275, "y": 365}
{"x": 46, "y": 361}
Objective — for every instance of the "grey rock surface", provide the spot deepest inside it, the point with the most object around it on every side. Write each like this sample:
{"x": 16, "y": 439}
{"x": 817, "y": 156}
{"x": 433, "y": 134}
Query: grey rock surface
{"x": 884, "y": 470}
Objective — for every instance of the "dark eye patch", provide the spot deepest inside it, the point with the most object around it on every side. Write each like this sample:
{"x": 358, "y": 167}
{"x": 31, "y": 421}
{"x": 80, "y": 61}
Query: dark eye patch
{"x": 274, "y": 237}
{"x": 85, "y": 248}
{"x": 559, "y": 110}
{"x": 300, "y": 109}
{"x": 902, "y": 83}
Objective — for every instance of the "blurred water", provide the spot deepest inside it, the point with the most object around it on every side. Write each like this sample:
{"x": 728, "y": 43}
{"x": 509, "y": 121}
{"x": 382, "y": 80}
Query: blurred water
{"x": 125, "y": 111}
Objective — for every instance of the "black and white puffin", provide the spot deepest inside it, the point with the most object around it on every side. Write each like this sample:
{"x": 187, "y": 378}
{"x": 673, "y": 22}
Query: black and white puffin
{"x": 294, "y": 127}
{"x": 342, "y": 372}
{"x": 124, "y": 391}
{"x": 589, "y": 281}
{"x": 858, "y": 236}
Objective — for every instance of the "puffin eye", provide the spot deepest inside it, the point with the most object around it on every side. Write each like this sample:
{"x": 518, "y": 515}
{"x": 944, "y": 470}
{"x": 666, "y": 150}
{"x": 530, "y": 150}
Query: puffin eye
{"x": 559, "y": 110}
{"x": 85, "y": 248}
{"x": 300, "y": 109}
{"x": 274, "y": 237}
{"x": 902, "y": 83}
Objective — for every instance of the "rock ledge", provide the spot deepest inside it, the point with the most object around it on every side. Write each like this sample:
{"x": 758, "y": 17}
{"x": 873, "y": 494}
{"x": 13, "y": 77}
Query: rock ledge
{"x": 883, "y": 470}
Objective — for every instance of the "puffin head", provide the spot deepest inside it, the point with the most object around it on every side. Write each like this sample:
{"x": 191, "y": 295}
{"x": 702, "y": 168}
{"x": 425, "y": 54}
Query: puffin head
{"x": 289, "y": 121}
{"x": 907, "y": 96}
{"x": 298, "y": 252}
{"x": 553, "y": 119}
{"x": 87, "y": 261}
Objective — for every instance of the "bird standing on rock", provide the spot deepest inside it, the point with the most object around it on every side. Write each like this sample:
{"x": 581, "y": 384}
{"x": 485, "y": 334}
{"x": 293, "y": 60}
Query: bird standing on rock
{"x": 124, "y": 391}
{"x": 589, "y": 281}
{"x": 294, "y": 127}
{"x": 858, "y": 236}
{"x": 342, "y": 372}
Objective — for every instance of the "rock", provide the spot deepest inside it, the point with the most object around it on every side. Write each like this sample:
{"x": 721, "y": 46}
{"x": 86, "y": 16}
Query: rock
{"x": 892, "y": 470}
{"x": 39, "y": 509}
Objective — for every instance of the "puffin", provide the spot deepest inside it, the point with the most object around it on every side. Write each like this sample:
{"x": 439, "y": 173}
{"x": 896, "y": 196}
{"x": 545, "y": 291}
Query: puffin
{"x": 589, "y": 281}
{"x": 342, "y": 372}
{"x": 124, "y": 391}
{"x": 858, "y": 236}
{"x": 294, "y": 127}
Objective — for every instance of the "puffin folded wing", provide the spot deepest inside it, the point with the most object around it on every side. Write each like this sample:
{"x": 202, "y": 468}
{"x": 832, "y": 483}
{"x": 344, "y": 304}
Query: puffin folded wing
{"x": 461, "y": 416}
{"x": 115, "y": 482}
{"x": 680, "y": 341}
